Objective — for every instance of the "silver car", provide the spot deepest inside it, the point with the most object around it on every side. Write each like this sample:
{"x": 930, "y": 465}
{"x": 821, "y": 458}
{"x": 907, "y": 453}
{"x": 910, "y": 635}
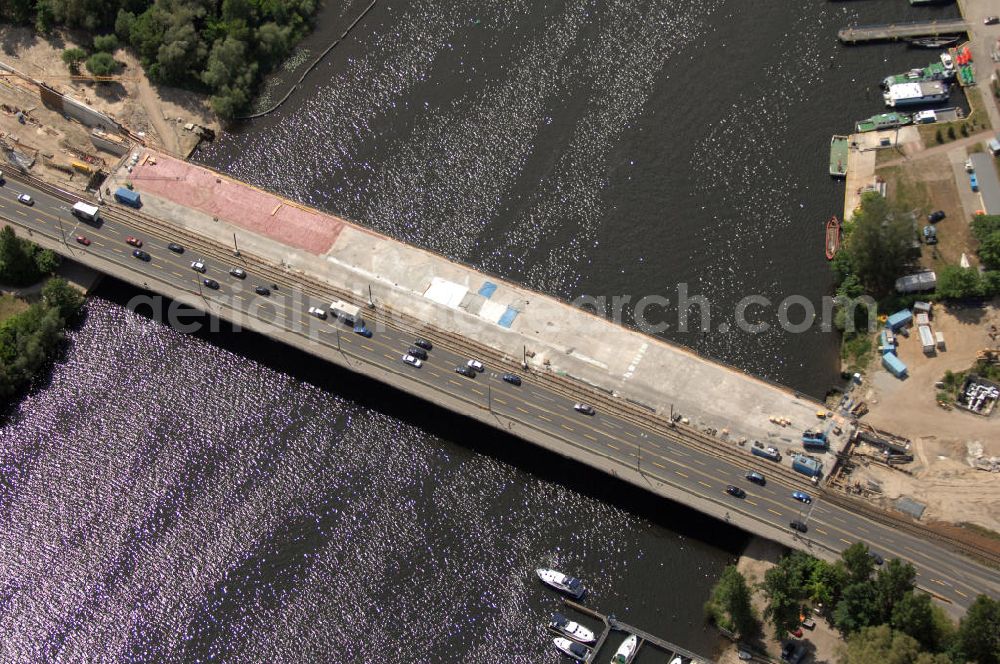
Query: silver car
{"x": 412, "y": 361}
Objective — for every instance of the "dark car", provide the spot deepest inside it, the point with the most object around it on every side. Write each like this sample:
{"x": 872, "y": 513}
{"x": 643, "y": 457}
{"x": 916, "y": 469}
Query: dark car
{"x": 877, "y": 559}
{"x": 417, "y": 352}
{"x": 755, "y": 477}
{"x": 176, "y": 248}
{"x": 262, "y": 290}
{"x": 423, "y": 343}
{"x": 935, "y": 216}
{"x": 584, "y": 408}
{"x": 465, "y": 371}
{"x": 799, "y": 526}
{"x": 211, "y": 283}
{"x": 363, "y": 330}
{"x": 512, "y": 379}
{"x": 736, "y": 492}
{"x": 141, "y": 255}
{"x": 238, "y": 272}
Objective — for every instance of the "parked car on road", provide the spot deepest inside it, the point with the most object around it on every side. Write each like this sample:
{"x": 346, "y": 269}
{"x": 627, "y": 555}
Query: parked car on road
{"x": 26, "y": 199}
{"x": 584, "y": 408}
{"x": 412, "y": 361}
{"x": 262, "y": 290}
{"x": 141, "y": 255}
{"x": 930, "y": 235}
{"x": 363, "y": 330}
{"x": 417, "y": 352}
{"x": 85, "y": 241}
{"x": 799, "y": 526}
{"x": 423, "y": 343}
{"x": 935, "y": 216}
{"x": 991, "y": 20}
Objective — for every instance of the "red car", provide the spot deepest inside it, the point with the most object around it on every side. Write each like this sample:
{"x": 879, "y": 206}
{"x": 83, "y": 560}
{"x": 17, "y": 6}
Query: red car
{"x": 797, "y": 632}
{"x": 134, "y": 241}
{"x": 83, "y": 240}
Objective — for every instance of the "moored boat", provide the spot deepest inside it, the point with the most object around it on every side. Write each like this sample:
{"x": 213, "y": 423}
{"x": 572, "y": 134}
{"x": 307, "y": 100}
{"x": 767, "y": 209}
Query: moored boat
{"x": 572, "y": 649}
{"x": 934, "y": 42}
{"x": 561, "y": 582}
{"x": 832, "y": 238}
{"x": 838, "y": 155}
{"x": 570, "y": 628}
{"x": 935, "y": 71}
{"x": 626, "y": 651}
{"x": 909, "y": 94}
{"x": 883, "y": 121}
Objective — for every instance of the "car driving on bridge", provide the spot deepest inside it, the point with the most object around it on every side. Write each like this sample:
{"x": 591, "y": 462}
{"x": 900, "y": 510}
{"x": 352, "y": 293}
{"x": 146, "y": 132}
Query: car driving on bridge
{"x": 584, "y": 408}
{"x": 736, "y": 492}
{"x": 755, "y": 477}
{"x": 802, "y": 497}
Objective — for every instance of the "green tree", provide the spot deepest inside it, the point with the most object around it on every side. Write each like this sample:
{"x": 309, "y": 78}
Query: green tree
{"x": 57, "y": 293}
{"x": 857, "y": 608}
{"x": 990, "y": 283}
{"x": 978, "y": 637}
{"x": 858, "y": 563}
{"x": 984, "y": 225}
{"x": 17, "y": 263}
{"x": 892, "y": 583}
{"x": 958, "y": 283}
{"x": 20, "y": 11}
{"x": 989, "y": 251}
{"x": 827, "y": 583}
{"x": 102, "y": 64}
{"x": 46, "y": 260}
{"x": 106, "y": 43}
{"x": 880, "y": 645}
{"x": 880, "y": 245}
{"x": 72, "y": 57}
{"x": 783, "y": 602}
{"x": 730, "y": 604}
{"x": 913, "y": 614}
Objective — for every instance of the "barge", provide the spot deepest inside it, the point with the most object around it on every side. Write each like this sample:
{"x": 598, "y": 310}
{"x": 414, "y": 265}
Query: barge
{"x": 839, "y": 146}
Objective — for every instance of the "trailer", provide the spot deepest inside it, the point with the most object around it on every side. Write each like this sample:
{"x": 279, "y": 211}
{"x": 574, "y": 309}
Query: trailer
{"x": 86, "y": 212}
{"x": 815, "y": 441}
{"x": 348, "y": 313}
{"x": 894, "y": 365}
{"x": 769, "y": 453}
{"x": 807, "y": 465}
{"x": 927, "y": 339}
{"x": 128, "y": 197}
{"x": 899, "y": 320}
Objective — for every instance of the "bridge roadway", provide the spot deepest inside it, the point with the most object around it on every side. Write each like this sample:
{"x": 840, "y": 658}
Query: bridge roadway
{"x": 663, "y": 460}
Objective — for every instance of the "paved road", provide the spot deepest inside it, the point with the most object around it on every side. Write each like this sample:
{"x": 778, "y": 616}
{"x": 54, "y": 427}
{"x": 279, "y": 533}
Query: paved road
{"x": 665, "y": 458}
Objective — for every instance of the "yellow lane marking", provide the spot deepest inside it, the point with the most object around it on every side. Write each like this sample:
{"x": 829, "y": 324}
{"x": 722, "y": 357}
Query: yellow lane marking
{"x": 479, "y": 392}
{"x": 547, "y": 419}
{"x": 961, "y": 593}
{"x": 454, "y": 382}
{"x": 751, "y": 502}
{"x": 705, "y": 484}
{"x": 22, "y": 213}
{"x": 659, "y": 465}
{"x": 680, "y": 473}
{"x": 368, "y": 348}
{"x": 499, "y": 400}
{"x": 612, "y": 446}
{"x": 522, "y": 409}
{"x": 698, "y": 461}
{"x": 388, "y": 357}
{"x": 775, "y": 512}
{"x": 846, "y": 541}
{"x": 433, "y": 373}
{"x": 940, "y": 582}
{"x": 821, "y": 531}
{"x": 629, "y": 433}
{"x": 566, "y": 427}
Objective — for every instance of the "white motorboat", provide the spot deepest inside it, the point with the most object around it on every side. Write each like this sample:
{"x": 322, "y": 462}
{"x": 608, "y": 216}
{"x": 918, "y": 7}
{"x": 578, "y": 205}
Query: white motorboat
{"x": 573, "y": 630}
{"x": 626, "y": 651}
{"x": 573, "y": 649}
{"x": 567, "y": 584}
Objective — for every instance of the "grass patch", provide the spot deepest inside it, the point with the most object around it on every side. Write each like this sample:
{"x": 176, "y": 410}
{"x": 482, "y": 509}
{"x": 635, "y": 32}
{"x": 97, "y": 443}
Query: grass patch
{"x": 904, "y": 193}
{"x": 980, "y": 530}
{"x": 10, "y": 306}
{"x": 856, "y": 350}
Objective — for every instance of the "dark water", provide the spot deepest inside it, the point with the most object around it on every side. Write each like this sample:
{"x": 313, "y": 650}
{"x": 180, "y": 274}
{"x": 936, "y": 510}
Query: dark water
{"x": 171, "y": 498}
{"x": 222, "y": 498}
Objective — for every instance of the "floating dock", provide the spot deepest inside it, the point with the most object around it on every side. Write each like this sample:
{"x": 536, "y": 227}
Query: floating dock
{"x": 645, "y": 638}
{"x": 839, "y": 148}
{"x": 893, "y": 31}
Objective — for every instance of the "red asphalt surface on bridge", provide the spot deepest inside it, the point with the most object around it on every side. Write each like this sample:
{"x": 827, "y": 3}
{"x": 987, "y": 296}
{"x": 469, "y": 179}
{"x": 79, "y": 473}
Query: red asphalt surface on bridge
{"x": 237, "y": 203}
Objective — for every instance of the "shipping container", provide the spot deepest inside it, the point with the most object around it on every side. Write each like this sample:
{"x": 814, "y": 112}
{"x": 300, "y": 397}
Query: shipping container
{"x": 128, "y": 197}
{"x": 899, "y": 319}
{"x": 926, "y": 339}
{"x": 807, "y": 465}
{"x": 894, "y": 365}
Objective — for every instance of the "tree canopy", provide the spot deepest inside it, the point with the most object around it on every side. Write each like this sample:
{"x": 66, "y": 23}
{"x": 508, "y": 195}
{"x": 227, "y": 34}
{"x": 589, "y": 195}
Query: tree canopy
{"x": 730, "y": 605}
{"x": 878, "y": 246}
{"x": 881, "y": 645}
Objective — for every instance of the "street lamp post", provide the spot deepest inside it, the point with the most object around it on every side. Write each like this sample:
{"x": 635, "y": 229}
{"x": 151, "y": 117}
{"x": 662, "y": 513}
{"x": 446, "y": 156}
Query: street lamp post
{"x": 371, "y": 300}
{"x": 524, "y": 357}
{"x": 338, "y": 337}
{"x": 236, "y": 247}
{"x": 62, "y": 231}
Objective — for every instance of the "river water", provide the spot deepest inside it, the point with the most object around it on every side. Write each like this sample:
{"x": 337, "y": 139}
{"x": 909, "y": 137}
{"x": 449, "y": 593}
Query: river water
{"x": 218, "y": 497}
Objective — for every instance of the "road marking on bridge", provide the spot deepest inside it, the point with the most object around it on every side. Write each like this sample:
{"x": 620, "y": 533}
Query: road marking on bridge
{"x": 368, "y": 348}
{"x": 587, "y": 435}
{"x": 499, "y": 400}
{"x": 705, "y": 484}
{"x": 848, "y": 542}
{"x": 961, "y": 593}
{"x": 437, "y": 375}
{"x": 479, "y": 392}
{"x": 940, "y": 582}
{"x": 22, "y": 213}
{"x": 629, "y": 433}
{"x": 751, "y": 502}
{"x": 821, "y": 531}
{"x": 568, "y": 428}
{"x": 454, "y": 382}
{"x": 659, "y": 465}
{"x": 522, "y": 409}
{"x": 680, "y": 473}
{"x": 388, "y": 357}
{"x": 775, "y": 512}
{"x": 547, "y": 419}
{"x": 612, "y": 446}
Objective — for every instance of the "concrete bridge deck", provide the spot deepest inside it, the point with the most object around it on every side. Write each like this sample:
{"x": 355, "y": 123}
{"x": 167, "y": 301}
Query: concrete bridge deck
{"x": 893, "y": 31}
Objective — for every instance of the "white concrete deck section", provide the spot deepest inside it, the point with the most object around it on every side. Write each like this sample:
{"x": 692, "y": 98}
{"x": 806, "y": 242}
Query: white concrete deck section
{"x": 564, "y": 339}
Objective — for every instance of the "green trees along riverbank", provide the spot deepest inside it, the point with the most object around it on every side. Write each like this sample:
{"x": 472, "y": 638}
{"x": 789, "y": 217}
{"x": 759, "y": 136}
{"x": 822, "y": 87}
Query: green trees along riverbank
{"x": 223, "y": 48}
{"x": 30, "y": 337}
{"x": 877, "y": 609}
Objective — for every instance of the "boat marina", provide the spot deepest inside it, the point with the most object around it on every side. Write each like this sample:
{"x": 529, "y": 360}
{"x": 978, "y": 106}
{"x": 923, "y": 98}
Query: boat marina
{"x": 638, "y": 639}
{"x": 839, "y": 148}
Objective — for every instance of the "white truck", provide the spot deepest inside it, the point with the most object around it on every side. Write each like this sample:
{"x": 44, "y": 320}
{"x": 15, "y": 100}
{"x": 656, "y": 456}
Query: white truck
{"x": 86, "y": 212}
{"x": 348, "y": 313}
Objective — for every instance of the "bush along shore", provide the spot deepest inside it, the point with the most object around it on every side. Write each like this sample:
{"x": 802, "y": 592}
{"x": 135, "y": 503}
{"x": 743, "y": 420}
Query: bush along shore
{"x": 31, "y": 337}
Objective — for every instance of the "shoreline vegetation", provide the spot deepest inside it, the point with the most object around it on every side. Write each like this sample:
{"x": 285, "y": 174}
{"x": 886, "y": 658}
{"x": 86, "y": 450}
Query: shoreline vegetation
{"x": 222, "y": 49}
{"x": 31, "y": 333}
{"x": 873, "y": 604}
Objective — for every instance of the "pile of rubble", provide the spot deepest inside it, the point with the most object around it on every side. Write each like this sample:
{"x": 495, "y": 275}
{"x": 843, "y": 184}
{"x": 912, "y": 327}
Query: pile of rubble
{"x": 977, "y": 460}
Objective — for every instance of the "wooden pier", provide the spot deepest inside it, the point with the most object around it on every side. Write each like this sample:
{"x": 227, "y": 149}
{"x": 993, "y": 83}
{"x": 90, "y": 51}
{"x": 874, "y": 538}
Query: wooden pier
{"x": 893, "y": 31}
{"x": 611, "y": 623}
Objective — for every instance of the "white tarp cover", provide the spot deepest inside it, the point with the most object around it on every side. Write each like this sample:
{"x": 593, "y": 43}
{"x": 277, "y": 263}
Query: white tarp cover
{"x": 446, "y": 292}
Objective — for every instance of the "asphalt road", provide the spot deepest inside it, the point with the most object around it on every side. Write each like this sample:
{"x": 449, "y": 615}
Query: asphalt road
{"x": 949, "y": 576}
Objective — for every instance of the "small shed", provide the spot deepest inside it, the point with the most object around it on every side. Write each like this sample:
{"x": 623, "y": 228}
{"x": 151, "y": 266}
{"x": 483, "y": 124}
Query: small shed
{"x": 922, "y": 319}
{"x": 939, "y": 338}
{"x": 894, "y": 365}
{"x": 926, "y": 338}
{"x": 899, "y": 319}
{"x": 922, "y": 308}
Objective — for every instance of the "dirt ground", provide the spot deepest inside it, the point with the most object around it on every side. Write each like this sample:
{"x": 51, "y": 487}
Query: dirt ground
{"x": 157, "y": 113}
{"x": 821, "y": 643}
{"x": 940, "y": 477}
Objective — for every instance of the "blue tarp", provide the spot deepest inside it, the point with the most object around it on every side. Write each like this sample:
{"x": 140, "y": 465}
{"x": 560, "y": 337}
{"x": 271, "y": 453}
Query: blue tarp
{"x": 894, "y": 365}
{"x": 508, "y": 317}
{"x": 899, "y": 319}
{"x": 487, "y": 289}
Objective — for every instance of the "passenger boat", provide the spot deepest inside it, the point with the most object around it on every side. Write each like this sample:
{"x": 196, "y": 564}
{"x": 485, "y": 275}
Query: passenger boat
{"x": 832, "y": 238}
{"x": 626, "y": 651}
{"x": 573, "y": 649}
{"x": 567, "y": 584}
{"x": 573, "y": 630}
{"x": 910, "y": 94}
